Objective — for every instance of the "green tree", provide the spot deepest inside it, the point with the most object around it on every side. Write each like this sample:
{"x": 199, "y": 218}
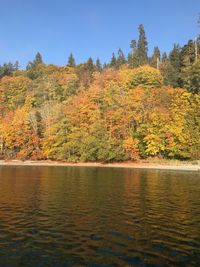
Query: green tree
{"x": 188, "y": 51}
{"x": 90, "y": 65}
{"x": 113, "y": 61}
{"x": 121, "y": 58}
{"x": 8, "y": 69}
{"x": 98, "y": 65}
{"x": 38, "y": 59}
{"x": 155, "y": 59}
{"x": 32, "y": 66}
{"x": 192, "y": 83}
{"x": 71, "y": 61}
{"x": 132, "y": 56}
{"x": 175, "y": 57}
{"x": 172, "y": 69}
{"x": 142, "y": 46}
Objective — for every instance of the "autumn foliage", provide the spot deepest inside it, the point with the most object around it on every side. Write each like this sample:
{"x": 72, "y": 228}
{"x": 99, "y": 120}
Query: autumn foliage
{"x": 66, "y": 113}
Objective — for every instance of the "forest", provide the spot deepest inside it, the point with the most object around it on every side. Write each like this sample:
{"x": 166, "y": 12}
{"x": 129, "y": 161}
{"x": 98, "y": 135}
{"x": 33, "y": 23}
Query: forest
{"x": 134, "y": 107}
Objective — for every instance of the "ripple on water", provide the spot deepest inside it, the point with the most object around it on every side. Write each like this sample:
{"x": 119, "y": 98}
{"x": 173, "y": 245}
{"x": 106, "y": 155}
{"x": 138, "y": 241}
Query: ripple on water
{"x": 103, "y": 217}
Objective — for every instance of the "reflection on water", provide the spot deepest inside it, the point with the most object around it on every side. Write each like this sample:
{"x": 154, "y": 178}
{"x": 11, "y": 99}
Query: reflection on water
{"x": 75, "y": 216}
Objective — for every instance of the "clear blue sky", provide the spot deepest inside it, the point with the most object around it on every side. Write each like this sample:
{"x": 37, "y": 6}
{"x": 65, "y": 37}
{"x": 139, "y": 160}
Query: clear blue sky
{"x": 90, "y": 27}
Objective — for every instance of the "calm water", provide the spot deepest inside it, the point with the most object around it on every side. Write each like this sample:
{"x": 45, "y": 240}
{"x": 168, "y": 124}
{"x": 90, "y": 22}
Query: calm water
{"x": 74, "y": 216}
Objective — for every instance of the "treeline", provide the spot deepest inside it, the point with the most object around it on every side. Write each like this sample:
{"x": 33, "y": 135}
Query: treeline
{"x": 130, "y": 108}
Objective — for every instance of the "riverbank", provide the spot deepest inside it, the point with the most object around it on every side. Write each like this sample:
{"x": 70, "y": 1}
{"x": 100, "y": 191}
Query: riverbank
{"x": 134, "y": 165}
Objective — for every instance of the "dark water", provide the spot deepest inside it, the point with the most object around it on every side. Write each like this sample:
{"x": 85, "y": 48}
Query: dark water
{"x": 74, "y": 216}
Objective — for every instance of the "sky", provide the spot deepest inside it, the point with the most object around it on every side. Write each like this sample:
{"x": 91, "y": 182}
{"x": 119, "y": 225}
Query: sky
{"x": 93, "y": 28}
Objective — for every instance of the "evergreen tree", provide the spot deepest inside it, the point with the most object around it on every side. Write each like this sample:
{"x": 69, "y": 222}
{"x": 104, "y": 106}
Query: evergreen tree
{"x": 133, "y": 45}
{"x": 171, "y": 76}
{"x": 174, "y": 57}
{"x": 8, "y": 68}
{"x": 172, "y": 70}
{"x": 38, "y": 59}
{"x": 168, "y": 71}
{"x": 142, "y": 46}
{"x": 90, "y": 65}
{"x": 121, "y": 58}
{"x": 132, "y": 56}
{"x": 105, "y": 65}
{"x": 185, "y": 72}
{"x": 71, "y": 61}
{"x": 32, "y": 69}
{"x": 16, "y": 65}
{"x": 164, "y": 58}
{"x": 155, "y": 59}
{"x": 98, "y": 64}
{"x": 188, "y": 51}
{"x": 192, "y": 80}
{"x": 113, "y": 61}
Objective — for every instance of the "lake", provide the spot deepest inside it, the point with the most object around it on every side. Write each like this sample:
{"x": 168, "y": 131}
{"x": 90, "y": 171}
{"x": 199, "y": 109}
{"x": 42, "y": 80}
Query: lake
{"x": 87, "y": 216}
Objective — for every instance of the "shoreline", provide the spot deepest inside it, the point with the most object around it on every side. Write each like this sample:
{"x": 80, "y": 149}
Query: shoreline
{"x": 130, "y": 165}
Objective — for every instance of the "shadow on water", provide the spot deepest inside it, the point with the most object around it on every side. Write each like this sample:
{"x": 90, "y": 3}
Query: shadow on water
{"x": 80, "y": 216}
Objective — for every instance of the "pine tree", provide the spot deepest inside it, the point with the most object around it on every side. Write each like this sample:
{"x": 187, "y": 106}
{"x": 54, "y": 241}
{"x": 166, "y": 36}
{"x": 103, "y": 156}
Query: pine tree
{"x": 71, "y": 61}
{"x": 155, "y": 59}
{"x": 142, "y": 46}
{"x": 170, "y": 75}
{"x": 38, "y": 59}
{"x": 188, "y": 51}
{"x": 164, "y": 58}
{"x": 98, "y": 64}
{"x": 192, "y": 80}
{"x": 185, "y": 72}
{"x": 172, "y": 71}
{"x": 121, "y": 58}
{"x": 133, "y": 45}
{"x": 90, "y": 65}
{"x": 174, "y": 57}
{"x": 132, "y": 56}
{"x": 105, "y": 65}
{"x": 8, "y": 68}
{"x": 32, "y": 67}
{"x": 113, "y": 61}
{"x": 16, "y": 65}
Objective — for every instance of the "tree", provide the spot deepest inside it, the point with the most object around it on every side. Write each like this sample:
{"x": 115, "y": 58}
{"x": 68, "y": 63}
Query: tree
{"x": 121, "y": 112}
{"x": 13, "y": 91}
{"x": 144, "y": 76}
{"x": 8, "y": 69}
{"x": 32, "y": 66}
{"x": 171, "y": 76}
{"x": 155, "y": 59}
{"x": 121, "y": 58}
{"x": 38, "y": 59}
{"x": 98, "y": 65}
{"x": 20, "y": 138}
{"x": 113, "y": 61}
{"x": 174, "y": 57}
{"x": 90, "y": 65}
{"x": 192, "y": 82}
{"x": 188, "y": 51}
{"x": 185, "y": 72}
{"x": 173, "y": 69}
{"x": 142, "y": 47}
{"x": 71, "y": 61}
{"x": 133, "y": 45}
{"x": 132, "y": 56}
{"x": 164, "y": 58}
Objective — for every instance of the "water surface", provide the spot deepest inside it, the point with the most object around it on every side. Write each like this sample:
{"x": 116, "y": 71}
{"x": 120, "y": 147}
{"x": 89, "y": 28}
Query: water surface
{"x": 85, "y": 216}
